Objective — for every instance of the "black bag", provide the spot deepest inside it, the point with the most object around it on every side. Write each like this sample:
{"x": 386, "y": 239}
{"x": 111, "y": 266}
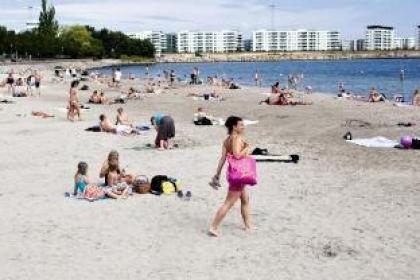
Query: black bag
{"x": 415, "y": 144}
{"x": 156, "y": 184}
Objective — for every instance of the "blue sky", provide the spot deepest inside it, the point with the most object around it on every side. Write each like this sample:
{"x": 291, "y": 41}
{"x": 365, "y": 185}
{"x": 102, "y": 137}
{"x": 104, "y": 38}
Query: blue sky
{"x": 348, "y": 16}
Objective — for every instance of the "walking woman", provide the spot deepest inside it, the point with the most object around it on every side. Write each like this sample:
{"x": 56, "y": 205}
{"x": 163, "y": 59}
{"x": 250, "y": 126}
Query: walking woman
{"x": 236, "y": 146}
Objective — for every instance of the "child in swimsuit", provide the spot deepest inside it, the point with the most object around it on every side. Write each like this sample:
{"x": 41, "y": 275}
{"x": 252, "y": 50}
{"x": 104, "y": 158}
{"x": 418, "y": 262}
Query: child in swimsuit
{"x": 85, "y": 189}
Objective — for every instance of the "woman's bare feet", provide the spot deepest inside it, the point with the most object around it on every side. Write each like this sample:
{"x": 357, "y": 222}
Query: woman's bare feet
{"x": 213, "y": 232}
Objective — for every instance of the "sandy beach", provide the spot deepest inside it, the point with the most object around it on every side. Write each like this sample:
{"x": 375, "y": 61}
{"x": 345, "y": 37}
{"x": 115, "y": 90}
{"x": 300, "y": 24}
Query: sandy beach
{"x": 343, "y": 212}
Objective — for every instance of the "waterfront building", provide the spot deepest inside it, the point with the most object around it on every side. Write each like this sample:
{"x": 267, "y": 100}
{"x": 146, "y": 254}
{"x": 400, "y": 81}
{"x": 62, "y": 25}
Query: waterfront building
{"x": 298, "y": 40}
{"x": 209, "y": 41}
{"x": 158, "y": 39}
{"x": 171, "y": 43}
{"x": 248, "y": 45}
{"x": 380, "y": 37}
{"x": 361, "y": 45}
{"x": 418, "y": 37}
{"x": 404, "y": 43}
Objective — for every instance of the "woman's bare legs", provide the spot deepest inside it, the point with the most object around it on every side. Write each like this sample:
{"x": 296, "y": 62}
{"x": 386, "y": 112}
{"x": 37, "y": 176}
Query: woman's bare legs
{"x": 245, "y": 209}
{"x": 231, "y": 199}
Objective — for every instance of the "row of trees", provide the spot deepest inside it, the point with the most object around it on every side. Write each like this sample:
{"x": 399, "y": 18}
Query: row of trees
{"x": 48, "y": 40}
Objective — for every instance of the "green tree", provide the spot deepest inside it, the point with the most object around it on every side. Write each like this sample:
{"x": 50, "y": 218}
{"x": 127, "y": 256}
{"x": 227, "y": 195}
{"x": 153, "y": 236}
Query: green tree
{"x": 78, "y": 42}
{"x": 47, "y": 32}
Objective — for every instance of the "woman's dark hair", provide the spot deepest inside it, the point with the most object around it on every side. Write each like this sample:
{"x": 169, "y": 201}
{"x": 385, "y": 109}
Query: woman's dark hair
{"x": 102, "y": 117}
{"x": 152, "y": 120}
{"x": 277, "y": 84}
{"x": 231, "y": 122}
{"x": 74, "y": 84}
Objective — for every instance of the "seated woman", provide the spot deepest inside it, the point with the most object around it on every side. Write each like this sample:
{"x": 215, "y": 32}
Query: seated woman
{"x": 416, "y": 97}
{"x": 202, "y": 118}
{"x": 106, "y": 126}
{"x": 374, "y": 96}
{"x": 113, "y": 160}
{"x": 20, "y": 90}
{"x": 276, "y": 88}
{"x": 122, "y": 118}
{"x": 165, "y": 128}
{"x": 95, "y": 98}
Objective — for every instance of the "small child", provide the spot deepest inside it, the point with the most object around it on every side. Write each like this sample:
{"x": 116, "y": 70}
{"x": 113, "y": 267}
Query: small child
{"x": 87, "y": 190}
{"x": 115, "y": 180}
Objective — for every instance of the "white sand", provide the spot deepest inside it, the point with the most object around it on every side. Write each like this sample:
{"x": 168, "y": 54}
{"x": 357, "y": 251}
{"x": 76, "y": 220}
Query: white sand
{"x": 343, "y": 212}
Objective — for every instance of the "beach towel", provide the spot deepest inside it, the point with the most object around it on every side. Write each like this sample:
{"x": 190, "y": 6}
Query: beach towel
{"x": 375, "y": 142}
{"x": 246, "y": 122}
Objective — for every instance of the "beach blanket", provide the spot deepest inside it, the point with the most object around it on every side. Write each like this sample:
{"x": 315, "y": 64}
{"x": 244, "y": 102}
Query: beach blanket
{"x": 375, "y": 142}
{"x": 246, "y": 122}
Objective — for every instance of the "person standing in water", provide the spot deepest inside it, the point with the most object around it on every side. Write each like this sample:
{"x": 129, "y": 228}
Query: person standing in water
{"x": 235, "y": 145}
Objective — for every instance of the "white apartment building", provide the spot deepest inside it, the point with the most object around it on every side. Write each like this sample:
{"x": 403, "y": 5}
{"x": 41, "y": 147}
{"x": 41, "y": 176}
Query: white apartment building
{"x": 418, "y": 37}
{"x": 405, "y": 43}
{"x": 298, "y": 40}
{"x": 158, "y": 39}
{"x": 209, "y": 41}
{"x": 379, "y": 37}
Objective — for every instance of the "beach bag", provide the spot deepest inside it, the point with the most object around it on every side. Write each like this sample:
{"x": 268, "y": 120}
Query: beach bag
{"x": 242, "y": 171}
{"x": 141, "y": 185}
{"x": 163, "y": 184}
{"x": 93, "y": 192}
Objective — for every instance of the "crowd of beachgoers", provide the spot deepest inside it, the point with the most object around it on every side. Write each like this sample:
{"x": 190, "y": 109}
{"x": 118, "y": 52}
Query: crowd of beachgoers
{"x": 117, "y": 183}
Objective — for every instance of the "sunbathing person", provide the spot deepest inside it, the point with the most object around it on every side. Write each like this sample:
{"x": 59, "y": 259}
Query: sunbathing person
{"x": 95, "y": 98}
{"x": 416, "y": 97}
{"x": 19, "y": 89}
{"x": 280, "y": 99}
{"x": 165, "y": 128}
{"x": 122, "y": 118}
{"x": 115, "y": 181}
{"x": 202, "y": 117}
{"x": 113, "y": 160}
{"x": 106, "y": 126}
{"x": 375, "y": 96}
{"x": 42, "y": 115}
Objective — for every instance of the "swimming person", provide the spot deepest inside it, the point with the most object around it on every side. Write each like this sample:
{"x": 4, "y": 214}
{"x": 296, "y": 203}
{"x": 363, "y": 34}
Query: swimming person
{"x": 74, "y": 107}
{"x": 235, "y": 145}
{"x": 165, "y": 128}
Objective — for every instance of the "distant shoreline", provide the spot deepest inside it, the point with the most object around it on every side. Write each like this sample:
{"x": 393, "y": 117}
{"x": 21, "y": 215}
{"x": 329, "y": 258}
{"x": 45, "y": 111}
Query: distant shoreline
{"x": 280, "y": 56}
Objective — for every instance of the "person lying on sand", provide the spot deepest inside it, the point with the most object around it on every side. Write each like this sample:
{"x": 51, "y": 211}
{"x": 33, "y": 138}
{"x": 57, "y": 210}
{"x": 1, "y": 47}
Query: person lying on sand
{"x": 74, "y": 106}
{"x": 42, "y": 115}
{"x": 106, "y": 126}
{"x": 165, "y": 128}
{"x": 280, "y": 99}
{"x": 416, "y": 97}
{"x": 374, "y": 96}
{"x": 113, "y": 159}
{"x": 88, "y": 190}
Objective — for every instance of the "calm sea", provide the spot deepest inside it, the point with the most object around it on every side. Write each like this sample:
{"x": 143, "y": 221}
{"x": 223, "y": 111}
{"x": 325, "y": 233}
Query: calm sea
{"x": 324, "y": 76}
